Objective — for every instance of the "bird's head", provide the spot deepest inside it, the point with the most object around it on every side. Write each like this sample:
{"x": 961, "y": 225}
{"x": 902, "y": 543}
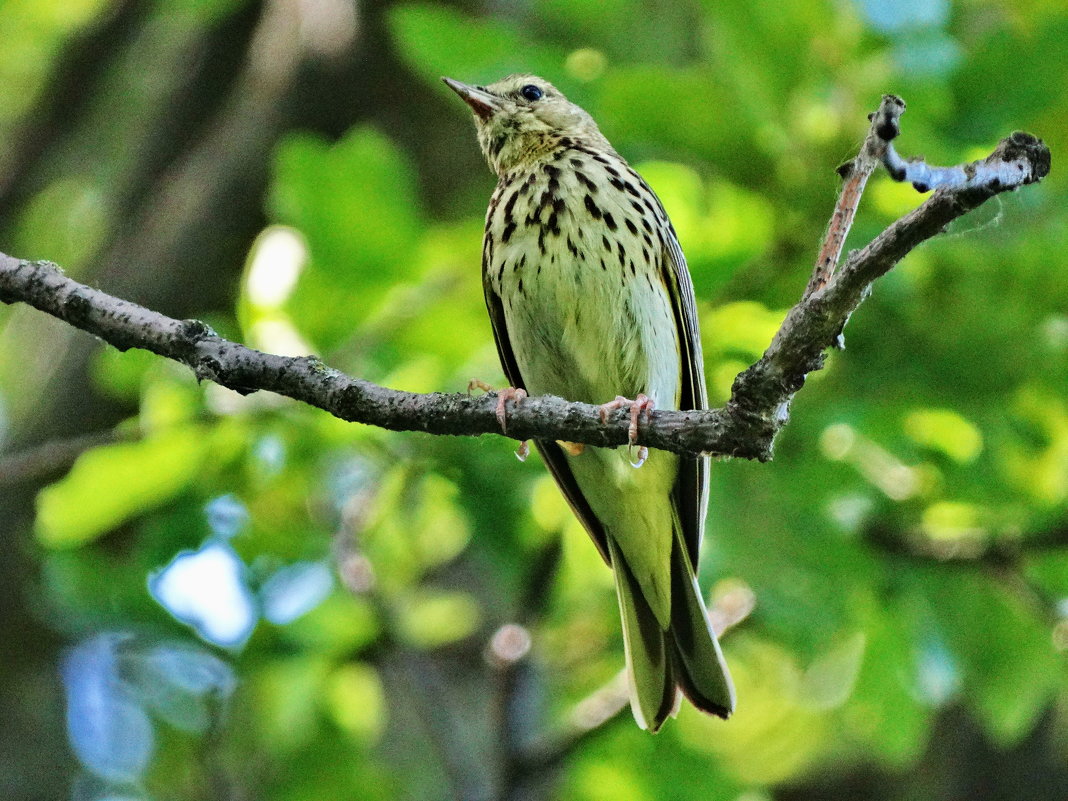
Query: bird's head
{"x": 522, "y": 118}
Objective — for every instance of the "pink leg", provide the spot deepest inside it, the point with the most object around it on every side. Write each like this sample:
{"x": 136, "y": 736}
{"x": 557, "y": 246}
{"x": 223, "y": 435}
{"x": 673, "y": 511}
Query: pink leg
{"x": 642, "y": 403}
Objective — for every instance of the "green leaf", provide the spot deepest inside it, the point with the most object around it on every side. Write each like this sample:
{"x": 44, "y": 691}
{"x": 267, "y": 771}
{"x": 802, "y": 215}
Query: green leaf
{"x": 1006, "y": 655}
{"x": 113, "y": 483}
{"x": 673, "y": 107}
{"x": 121, "y": 374}
{"x": 1049, "y": 571}
{"x": 429, "y": 619}
{"x": 341, "y": 625}
{"x": 439, "y": 41}
{"x": 885, "y": 715}
{"x": 65, "y": 222}
{"x": 33, "y": 32}
{"x": 945, "y": 430}
{"x": 775, "y": 734}
{"x": 355, "y": 203}
{"x": 356, "y": 700}
{"x": 720, "y": 226}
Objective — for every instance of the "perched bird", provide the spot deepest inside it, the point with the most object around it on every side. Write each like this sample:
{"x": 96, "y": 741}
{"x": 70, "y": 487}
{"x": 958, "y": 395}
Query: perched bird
{"x": 590, "y": 299}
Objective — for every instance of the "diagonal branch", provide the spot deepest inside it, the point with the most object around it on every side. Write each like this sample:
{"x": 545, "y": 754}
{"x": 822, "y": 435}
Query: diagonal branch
{"x": 746, "y": 427}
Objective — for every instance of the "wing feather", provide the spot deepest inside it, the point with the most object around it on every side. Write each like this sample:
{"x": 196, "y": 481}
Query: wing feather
{"x": 691, "y": 486}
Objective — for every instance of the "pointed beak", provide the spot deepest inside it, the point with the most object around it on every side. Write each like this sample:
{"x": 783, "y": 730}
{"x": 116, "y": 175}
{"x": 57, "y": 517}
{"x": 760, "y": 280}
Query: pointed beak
{"x": 481, "y": 102}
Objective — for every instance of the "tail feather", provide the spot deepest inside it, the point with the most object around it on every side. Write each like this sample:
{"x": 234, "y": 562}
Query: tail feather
{"x": 649, "y": 667}
{"x": 700, "y": 668}
{"x": 660, "y": 662}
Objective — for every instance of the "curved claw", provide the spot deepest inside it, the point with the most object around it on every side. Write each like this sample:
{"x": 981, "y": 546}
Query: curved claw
{"x": 514, "y": 394}
{"x": 642, "y": 403}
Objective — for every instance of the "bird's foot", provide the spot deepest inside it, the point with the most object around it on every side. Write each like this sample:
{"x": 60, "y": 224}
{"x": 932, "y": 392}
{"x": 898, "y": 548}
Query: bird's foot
{"x": 514, "y": 394}
{"x": 505, "y": 395}
{"x": 642, "y": 403}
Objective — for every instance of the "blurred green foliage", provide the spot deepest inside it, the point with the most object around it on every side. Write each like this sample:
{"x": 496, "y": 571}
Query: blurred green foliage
{"x": 907, "y": 549}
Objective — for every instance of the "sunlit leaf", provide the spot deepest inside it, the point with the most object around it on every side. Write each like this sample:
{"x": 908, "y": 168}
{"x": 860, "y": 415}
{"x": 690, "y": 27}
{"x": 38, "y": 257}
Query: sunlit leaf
{"x": 340, "y": 625}
{"x": 743, "y": 327}
{"x": 65, "y": 221}
{"x": 442, "y": 531}
{"x": 604, "y": 781}
{"x": 436, "y": 40}
{"x": 952, "y": 520}
{"x": 431, "y": 619}
{"x": 354, "y": 203}
{"x": 775, "y": 734}
{"x": 356, "y": 700}
{"x": 288, "y": 695}
{"x": 720, "y": 226}
{"x": 110, "y": 484}
{"x": 945, "y": 430}
{"x": 829, "y": 681}
{"x": 35, "y": 31}
{"x": 121, "y": 373}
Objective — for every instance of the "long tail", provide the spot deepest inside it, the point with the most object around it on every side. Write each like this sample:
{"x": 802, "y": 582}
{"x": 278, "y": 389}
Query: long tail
{"x": 686, "y": 656}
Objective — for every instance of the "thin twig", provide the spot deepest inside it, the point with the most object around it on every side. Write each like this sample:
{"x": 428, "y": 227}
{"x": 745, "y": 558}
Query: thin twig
{"x": 855, "y": 174}
{"x": 53, "y": 456}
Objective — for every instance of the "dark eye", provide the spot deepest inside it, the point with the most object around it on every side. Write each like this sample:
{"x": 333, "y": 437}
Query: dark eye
{"x": 531, "y": 92}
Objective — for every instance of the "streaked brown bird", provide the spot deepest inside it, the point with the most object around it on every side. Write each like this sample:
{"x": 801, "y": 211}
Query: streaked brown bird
{"x": 590, "y": 299}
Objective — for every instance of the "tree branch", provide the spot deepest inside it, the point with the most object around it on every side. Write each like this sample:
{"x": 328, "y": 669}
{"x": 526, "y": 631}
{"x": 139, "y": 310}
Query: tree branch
{"x": 53, "y": 456}
{"x": 746, "y": 427}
